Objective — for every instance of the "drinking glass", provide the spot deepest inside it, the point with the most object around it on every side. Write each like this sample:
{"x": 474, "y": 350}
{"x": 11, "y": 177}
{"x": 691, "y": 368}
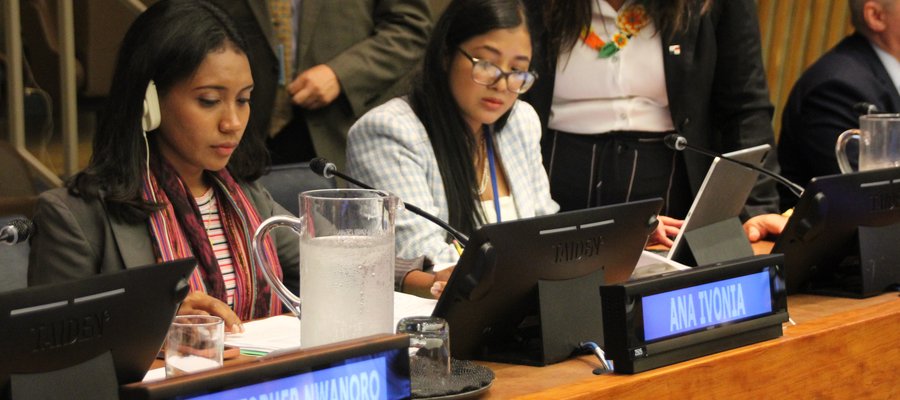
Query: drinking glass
{"x": 429, "y": 347}
{"x": 194, "y": 343}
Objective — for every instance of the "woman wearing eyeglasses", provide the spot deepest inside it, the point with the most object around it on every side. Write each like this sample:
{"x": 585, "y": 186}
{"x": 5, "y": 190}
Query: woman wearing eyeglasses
{"x": 461, "y": 145}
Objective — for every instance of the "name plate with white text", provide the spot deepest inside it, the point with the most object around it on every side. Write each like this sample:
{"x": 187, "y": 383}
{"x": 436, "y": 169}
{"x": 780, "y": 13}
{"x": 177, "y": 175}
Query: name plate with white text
{"x": 661, "y": 320}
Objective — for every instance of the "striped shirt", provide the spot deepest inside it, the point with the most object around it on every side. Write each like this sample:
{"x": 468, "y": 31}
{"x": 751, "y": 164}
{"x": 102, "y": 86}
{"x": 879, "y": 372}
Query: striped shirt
{"x": 209, "y": 210}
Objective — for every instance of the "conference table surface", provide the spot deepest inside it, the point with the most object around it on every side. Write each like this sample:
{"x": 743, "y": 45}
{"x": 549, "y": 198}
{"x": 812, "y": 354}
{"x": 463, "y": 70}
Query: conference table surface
{"x": 839, "y": 348}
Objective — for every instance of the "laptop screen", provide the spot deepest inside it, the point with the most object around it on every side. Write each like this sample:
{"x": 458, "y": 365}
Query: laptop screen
{"x": 721, "y": 197}
{"x": 127, "y": 313}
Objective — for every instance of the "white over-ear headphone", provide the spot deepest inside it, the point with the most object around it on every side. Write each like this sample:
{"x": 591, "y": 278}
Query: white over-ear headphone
{"x": 150, "y": 121}
{"x": 151, "y": 118}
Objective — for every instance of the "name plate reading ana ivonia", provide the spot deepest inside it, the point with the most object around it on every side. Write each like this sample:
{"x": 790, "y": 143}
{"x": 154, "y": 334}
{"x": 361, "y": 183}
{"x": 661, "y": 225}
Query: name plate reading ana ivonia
{"x": 662, "y": 320}
{"x": 702, "y": 306}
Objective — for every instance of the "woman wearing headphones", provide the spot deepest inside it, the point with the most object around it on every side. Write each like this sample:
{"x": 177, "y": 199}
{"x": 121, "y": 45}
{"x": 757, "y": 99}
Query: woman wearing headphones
{"x": 185, "y": 188}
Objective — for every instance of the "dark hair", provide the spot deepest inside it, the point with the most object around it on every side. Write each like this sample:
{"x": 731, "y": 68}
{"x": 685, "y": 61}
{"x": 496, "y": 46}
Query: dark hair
{"x": 434, "y": 104}
{"x": 565, "y": 19}
{"x": 166, "y": 44}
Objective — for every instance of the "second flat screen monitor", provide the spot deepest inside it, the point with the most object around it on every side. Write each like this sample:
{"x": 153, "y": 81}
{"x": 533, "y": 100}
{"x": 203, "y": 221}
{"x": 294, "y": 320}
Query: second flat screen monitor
{"x": 492, "y": 299}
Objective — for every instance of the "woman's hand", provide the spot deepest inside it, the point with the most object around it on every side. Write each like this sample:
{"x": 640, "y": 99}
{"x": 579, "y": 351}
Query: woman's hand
{"x": 440, "y": 281}
{"x": 760, "y": 226}
{"x": 425, "y": 284}
{"x": 199, "y": 303}
{"x": 667, "y": 228}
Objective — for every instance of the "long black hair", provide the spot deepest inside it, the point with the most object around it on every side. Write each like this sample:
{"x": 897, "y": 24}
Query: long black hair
{"x": 565, "y": 19}
{"x": 166, "y": 44}
{"x": 431, "y": 99}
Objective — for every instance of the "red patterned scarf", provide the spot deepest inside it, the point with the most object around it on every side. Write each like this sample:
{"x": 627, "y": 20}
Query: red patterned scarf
{"x": 178, "y": 232}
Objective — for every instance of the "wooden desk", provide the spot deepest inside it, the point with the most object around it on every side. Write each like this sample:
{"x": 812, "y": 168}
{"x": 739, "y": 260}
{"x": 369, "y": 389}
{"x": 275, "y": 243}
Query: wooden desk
{"x": 840, "y": 348}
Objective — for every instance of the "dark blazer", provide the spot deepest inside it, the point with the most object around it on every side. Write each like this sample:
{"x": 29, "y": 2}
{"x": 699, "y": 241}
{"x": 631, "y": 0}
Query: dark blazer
{"x": 716, "y": 85}
{"x": 77, "y": 239}
{"x": 371, "y": 45}
{"x": 821, "y": 106}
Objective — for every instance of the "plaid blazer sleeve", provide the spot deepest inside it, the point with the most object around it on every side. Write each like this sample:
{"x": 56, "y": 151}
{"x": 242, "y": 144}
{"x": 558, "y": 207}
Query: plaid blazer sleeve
{"x": 389, "y": 149}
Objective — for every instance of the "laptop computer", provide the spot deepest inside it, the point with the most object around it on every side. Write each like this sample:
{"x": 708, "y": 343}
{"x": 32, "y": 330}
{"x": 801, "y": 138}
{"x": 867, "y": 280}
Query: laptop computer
{"x": 526, "y": 291}
{"x": 47, "y": 332}
{"x": 712, "y": 230}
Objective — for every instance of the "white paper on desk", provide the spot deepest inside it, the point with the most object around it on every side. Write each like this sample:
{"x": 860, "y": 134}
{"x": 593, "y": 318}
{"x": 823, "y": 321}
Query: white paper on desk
{"x": 654, "y": 264}
{"x": 283, "y": 331}
{"x": 156, "y": 374}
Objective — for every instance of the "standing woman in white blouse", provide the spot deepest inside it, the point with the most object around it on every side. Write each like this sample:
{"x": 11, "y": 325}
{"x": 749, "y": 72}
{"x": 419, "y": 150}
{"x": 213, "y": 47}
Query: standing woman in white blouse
{"x": 619, "y": 75}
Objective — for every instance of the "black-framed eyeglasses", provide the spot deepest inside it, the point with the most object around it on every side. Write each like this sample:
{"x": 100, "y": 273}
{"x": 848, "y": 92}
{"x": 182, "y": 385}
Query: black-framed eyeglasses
{"x": 487, "y": 73}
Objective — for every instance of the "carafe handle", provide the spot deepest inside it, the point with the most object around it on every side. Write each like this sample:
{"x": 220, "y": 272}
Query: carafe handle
{"x": 840, "y": 149}
{"x": 292, "y": 302}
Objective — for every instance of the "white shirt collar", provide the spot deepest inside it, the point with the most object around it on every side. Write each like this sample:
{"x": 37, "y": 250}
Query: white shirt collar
{"x": 891, "y": 64}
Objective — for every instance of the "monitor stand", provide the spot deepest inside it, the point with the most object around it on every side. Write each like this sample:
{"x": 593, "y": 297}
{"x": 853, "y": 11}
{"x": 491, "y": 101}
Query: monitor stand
{"x": 92, "y": 379}
{"x": 869, "y": 268}
{"x": 721, "y": 241}
{"x": 569, "y": 312}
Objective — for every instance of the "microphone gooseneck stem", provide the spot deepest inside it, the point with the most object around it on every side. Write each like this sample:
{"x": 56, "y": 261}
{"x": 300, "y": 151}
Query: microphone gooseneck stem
{"x": 334, "y": 172}
{"x": 459, "y": 236}
{"x": 677, "y": 142}
{"x": 793, "y": 187}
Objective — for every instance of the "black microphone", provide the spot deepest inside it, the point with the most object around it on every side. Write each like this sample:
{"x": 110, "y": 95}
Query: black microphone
{"x": 328, "y": 170}
{"x": 16, "y": 231}
{"x": 677, "y": 142}
{"x": 865, "y": 108}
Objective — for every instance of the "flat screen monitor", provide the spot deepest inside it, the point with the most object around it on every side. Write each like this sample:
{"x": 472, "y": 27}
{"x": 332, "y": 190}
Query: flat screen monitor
{"x": 126, "y": 314}
{"x": 501, "y": 299}
{"x": 712, "y": 229}
{"x": 375, "y": 367}
{"x": 844, "y": 235}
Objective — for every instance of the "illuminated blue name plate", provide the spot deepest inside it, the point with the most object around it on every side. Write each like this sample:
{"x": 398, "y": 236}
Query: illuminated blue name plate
{"x": 711, "y": 304}
{"x": 360, "y": 380}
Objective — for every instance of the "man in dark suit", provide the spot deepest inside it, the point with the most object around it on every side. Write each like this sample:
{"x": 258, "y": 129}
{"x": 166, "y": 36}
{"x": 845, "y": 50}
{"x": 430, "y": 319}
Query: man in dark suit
{"x": 862, "y": 68}
{"x": 350, "y": 56}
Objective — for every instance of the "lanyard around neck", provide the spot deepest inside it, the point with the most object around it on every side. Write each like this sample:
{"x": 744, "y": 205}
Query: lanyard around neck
{"x": 489, "y": 144}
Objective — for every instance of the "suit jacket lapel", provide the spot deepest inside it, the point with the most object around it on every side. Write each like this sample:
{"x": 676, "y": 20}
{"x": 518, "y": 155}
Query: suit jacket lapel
{"x": 308, "y": 16}
{"x": 679, "y": 52}
{"x": 880, "y": 70}
{"x": 134, "y": 243}
{"x": 261, "y": 11}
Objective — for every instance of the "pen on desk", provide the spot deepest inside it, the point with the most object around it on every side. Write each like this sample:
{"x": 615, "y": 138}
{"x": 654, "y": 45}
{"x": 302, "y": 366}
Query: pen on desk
{"x": 459, "y": 248}
{"x": 254, "y": 353}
